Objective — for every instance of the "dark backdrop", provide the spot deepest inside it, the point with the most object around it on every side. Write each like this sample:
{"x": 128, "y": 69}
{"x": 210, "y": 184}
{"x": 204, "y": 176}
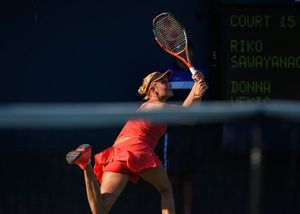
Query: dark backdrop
{"x": 99, "y": 51}
{"x": 78, "y": 51}
{"x": 73, "y": 51}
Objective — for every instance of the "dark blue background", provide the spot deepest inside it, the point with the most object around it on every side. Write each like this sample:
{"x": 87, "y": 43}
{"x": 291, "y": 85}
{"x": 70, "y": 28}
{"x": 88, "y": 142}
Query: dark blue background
{"x": 73, "y": 51}
{"x": 87, "y": 51}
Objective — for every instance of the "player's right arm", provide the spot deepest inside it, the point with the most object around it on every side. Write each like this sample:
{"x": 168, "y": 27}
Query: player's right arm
{"x": 197, "y": 91}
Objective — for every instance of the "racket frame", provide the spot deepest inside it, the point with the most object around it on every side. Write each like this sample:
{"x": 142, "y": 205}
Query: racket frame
{"x": 184, "y": 51}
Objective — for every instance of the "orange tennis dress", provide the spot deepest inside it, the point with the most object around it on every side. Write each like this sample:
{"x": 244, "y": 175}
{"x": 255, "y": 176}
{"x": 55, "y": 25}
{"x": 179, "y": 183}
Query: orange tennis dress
{"x": 133, "y": 150}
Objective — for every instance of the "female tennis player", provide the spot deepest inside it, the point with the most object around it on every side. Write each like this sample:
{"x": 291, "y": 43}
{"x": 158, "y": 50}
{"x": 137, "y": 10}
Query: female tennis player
{"x": 132, "y": 155}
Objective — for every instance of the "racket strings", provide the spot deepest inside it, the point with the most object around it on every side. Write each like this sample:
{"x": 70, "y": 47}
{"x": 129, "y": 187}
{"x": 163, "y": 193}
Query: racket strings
{"x": 170, "y": 33}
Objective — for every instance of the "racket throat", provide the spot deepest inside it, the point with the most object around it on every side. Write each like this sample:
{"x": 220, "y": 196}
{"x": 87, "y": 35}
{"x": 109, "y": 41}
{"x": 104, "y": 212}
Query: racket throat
{"x": 192, "y": 70}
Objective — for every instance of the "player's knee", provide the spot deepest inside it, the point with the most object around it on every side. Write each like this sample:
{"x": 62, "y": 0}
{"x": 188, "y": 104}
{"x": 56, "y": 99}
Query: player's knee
{"x": 106, "y": 206}
{"x": 98, "y": 209}
{"x": 165, "y": 188}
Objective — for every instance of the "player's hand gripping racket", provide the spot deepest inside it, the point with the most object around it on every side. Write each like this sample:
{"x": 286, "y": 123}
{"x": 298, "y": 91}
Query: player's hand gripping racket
{"x": 171, "y": 36}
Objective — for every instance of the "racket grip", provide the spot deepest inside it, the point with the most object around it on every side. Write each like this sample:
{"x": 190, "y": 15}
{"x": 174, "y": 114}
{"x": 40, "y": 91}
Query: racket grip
{"x": 192, "y": 70}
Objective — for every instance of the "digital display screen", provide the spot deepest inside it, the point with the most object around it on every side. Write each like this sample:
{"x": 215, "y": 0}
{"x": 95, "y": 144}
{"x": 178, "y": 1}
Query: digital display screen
{"x": 260, "y": 53}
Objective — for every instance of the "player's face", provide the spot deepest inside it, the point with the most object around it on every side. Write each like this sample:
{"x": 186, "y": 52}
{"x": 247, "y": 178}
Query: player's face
{"x": 164, "y": 88}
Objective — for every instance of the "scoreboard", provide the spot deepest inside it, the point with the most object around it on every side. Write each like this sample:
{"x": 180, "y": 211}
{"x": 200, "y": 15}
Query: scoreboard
{"x": 260, "y": 53}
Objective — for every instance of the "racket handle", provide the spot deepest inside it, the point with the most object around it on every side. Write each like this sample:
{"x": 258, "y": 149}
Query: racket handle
{"x": 192, "y": 70}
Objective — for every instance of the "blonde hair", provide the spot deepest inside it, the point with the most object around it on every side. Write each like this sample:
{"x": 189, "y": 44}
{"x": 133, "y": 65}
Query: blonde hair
{"x": 144, "y": 87}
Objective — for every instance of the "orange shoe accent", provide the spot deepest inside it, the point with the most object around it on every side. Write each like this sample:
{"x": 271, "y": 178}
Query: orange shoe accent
{"x": 80, "y": 156}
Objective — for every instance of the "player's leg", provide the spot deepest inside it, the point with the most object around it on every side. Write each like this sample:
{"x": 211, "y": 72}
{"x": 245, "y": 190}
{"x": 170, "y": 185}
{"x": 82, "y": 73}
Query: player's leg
{"x": 179, "y": 146}
{"x": 159, "y": 179}
{"x": 112, "y": 186}
{"x": 187, "y": 194}
{"x": 101, "y": 198}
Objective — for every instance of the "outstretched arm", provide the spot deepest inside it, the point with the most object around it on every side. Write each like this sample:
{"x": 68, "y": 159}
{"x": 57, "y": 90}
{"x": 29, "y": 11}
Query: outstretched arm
{"x": 197, "y": 91}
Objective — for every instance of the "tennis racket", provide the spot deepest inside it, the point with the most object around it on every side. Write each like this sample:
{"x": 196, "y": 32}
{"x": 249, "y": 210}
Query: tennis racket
{"x": 171, "y": 36}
